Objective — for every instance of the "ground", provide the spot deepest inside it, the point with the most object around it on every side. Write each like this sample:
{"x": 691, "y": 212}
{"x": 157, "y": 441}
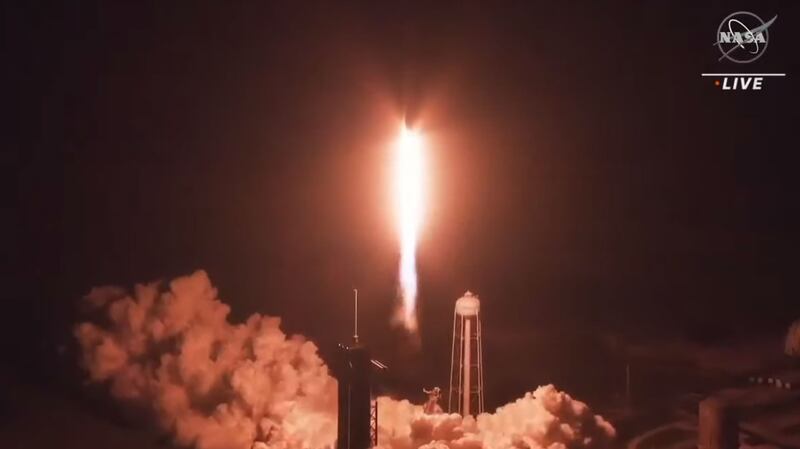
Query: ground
{"x": 667, "y": 382}
{"x": 673, "y": 378}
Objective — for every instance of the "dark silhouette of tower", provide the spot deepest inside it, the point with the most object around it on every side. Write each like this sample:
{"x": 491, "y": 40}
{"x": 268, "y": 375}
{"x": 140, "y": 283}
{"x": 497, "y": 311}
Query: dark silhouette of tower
{"x": 355, "y": 397}
{"x": 358, "y": 413}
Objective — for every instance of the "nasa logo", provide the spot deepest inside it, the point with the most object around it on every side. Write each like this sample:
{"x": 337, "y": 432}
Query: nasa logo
{"x": 743, "y": 37}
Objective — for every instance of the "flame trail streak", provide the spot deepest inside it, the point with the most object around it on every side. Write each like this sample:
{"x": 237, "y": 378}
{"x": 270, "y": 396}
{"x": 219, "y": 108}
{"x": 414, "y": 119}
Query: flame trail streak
{"x": 409, "y": 193}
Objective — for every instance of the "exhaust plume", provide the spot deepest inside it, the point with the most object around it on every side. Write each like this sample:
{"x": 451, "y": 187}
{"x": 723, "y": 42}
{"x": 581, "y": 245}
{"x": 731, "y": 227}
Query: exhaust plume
{"x": 409, "y": 200}
{"x": 215, "y": 385}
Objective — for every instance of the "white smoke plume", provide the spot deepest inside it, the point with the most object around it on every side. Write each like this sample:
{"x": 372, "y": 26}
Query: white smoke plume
{"x": 217, "y": 385}
{"x": 212, "y": 384}
{"x": 544, "y": 418}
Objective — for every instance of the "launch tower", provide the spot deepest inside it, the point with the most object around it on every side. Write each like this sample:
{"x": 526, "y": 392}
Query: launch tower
{"x": 358, "y": 411}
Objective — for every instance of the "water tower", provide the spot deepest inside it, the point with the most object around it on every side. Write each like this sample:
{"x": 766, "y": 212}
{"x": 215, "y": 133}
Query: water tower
{"x": 466, "y": 361}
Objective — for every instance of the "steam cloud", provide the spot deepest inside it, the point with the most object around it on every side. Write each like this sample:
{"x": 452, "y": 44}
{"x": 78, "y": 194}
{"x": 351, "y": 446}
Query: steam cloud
{"x": 216, "y": 385}
{"x": 545, "y": 418}
{"x": 212, "y": 384}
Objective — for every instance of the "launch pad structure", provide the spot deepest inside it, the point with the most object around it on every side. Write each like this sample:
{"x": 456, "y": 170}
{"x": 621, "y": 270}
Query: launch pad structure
{"x": 357, "y": 425}
{"x": 354, "y": 369}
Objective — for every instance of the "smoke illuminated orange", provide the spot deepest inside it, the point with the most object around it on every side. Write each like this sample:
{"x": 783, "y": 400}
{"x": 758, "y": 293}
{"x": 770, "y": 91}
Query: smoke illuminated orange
{"x": 409, "y": 190}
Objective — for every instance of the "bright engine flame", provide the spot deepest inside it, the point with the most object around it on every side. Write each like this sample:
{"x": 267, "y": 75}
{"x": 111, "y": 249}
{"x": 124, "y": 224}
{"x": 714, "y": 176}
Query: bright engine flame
{"x": 408, "y": 179}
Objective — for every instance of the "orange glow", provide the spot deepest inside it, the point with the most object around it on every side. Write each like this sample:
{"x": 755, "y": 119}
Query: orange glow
{"x": 409, "y": 171}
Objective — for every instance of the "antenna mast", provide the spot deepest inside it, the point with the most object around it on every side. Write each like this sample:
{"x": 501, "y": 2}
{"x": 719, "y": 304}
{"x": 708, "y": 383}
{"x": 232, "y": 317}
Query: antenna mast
{"x": 355, "y": 315}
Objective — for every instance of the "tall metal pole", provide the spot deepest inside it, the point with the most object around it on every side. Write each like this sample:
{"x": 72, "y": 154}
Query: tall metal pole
{"x": 452, "y": 362}
{"x": 467, "y": 363}
{"x": 628, "y": 382}
{"x": 480, "y": 364}
{"x": 355, "y": 316}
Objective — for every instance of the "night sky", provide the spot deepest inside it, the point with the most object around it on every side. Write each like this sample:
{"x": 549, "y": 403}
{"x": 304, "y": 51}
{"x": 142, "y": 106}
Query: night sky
{"x": 584, "y": 176}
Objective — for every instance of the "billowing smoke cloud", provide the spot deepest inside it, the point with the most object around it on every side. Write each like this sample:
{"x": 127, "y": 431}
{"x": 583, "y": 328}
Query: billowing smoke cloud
{"x": 217, "y": 385}
{"x": 212, "y": 384}
{"x": 545, "y": 418}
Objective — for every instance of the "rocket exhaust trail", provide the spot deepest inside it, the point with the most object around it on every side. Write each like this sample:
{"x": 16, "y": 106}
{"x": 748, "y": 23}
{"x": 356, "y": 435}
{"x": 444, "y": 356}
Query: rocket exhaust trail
{"x": 409, "y": 193}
